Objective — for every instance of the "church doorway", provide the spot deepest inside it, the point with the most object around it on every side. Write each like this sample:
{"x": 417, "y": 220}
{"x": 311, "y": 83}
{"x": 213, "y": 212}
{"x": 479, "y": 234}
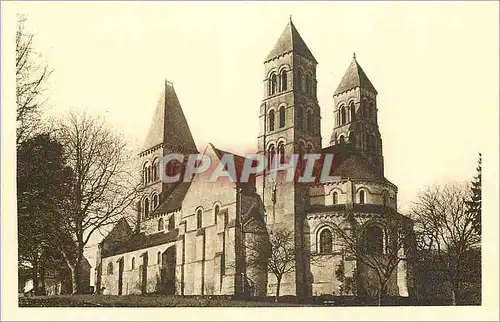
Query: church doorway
{"x": 120, "y": 276}
{"x": 168, "y": 263}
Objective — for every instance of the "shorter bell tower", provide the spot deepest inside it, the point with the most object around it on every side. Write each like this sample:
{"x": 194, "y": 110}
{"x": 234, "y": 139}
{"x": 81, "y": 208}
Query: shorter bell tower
{"x": 355, "y": 116}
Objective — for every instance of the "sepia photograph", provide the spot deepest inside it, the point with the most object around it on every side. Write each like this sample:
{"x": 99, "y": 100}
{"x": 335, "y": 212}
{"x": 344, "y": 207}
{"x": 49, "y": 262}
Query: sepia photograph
{"x": 266, "y": 156}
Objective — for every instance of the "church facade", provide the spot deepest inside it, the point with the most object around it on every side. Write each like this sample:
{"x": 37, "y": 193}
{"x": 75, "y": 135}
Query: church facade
{"x": 192, "y": 238}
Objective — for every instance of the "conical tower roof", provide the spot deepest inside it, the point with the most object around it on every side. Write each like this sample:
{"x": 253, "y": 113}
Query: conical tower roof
{"x": 290, "y": 41}
{"x": 169, "y": 125}
{"x": 354, "y": 77}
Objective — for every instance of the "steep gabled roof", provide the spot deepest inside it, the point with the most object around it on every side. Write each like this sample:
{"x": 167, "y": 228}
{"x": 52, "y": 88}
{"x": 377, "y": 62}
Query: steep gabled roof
{"x": 239, "y": 164}
{"x": 290, "y": 41}
{"x": 174, "y": 200}
{"x": 354, "y": 77}
{"x": 121, "y": 231}
{"x": 169, "y": 125}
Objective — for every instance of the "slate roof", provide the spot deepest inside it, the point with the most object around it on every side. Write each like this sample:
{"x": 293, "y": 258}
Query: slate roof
{"x": 140, "y": 241}
{"x": 174, "y": 200}
{"x": 121, "y": 227}
{"x": 348, "y": 163}
{"x": 290, "y": 41}
{"x": 239, "y": 162}
{"x": 354, "y": 77}
{"x": 169, "y": 125}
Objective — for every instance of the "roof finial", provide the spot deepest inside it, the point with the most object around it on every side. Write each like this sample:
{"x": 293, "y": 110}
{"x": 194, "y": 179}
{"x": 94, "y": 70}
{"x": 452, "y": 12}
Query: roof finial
{"x": 354, "y": 56}
{"x": 290, "y": 18}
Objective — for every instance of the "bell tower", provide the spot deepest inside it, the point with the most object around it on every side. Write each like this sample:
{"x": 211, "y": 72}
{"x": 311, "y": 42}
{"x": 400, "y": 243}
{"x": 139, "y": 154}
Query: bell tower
{"x": 355, "y": 116}
{"x": 289, "y": 124}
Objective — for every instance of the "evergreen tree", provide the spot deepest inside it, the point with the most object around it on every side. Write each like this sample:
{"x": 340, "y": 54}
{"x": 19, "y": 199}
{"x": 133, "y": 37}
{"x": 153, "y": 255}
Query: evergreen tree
{"x": 474, "y": 204}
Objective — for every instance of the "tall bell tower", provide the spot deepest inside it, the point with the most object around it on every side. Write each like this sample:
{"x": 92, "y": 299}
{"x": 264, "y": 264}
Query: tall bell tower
{"x": 289, "y": 124}
{"x": 355, "y": 116}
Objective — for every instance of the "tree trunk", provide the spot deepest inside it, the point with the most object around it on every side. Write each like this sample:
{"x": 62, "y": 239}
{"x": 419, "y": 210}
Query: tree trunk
{"x": 75, "y": 279}
{"x": 278, "y": 285}
{"x": 454, "y": 292}
{"x": 35, "y": 276}
{"x": 42, "y": 277}
{"x": 382, "y": 292}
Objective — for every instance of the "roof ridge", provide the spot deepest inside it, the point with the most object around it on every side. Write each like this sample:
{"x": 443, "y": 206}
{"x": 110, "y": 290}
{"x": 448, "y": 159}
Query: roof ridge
{"x": 290, "y": 40}
{"x": 354, "y": 77}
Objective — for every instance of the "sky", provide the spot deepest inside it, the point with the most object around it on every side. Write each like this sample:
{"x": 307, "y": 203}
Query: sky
{"x": 433, "y": 64}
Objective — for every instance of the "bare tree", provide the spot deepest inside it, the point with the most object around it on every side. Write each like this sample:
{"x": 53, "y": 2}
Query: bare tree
{"x": 384, "y": 258}
{"x": 103, "y": 185}
{"x": 444, "y": 226}
{"x": 278, "y": 252}
{"x": 31, "y": 79}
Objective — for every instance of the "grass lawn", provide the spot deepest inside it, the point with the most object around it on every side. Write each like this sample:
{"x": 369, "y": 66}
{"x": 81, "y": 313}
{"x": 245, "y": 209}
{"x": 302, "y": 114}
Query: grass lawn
{"x": 136, "y": 301}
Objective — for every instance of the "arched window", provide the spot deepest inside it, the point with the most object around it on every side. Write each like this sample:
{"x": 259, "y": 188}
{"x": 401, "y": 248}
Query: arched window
{"x": 299, "y": 117}
{"x": 352, "y": 110}
{"x": 281, "y": 152}
{"x": 369, "y": 142}
{"x": 335, "y": 198}
{"x": 171, "y": 223}
{"x": 283, "y": 80}
{"x": 273, "y": 84}
{"x": 146, "y": 207}
{"x": 155, "y": 201}
{"x": 155, "y": 170}
{"x": 341, "y": 139}
{"x": 308, "y": 84}
{"x": 282, "y": 116}
{"x": 384, "y": 198}
{"x": 362, "y": 197}
{"x": 145, "y": 174}
{"x": 342, "y": 116}
{"x": 309, "y": 121}
{"x": 374, "y": 240}
{"x": 110, "y": 268}
{"x": 271, "y": 153}
{"x": 226, "y": 219}
{"x": 300, "y": 80}
{"x": 216, "y": 213}
{"x": 160, "y": 224}
{"x": 132, "y": 264}
{"x": 158, "y": 258}
{"x": 199, "y": 214}
{"x": 352, "y": 138}
{"x": 325, "y": 241}
{"x": 271, "y": 120}
{"x": 301, "y": 161}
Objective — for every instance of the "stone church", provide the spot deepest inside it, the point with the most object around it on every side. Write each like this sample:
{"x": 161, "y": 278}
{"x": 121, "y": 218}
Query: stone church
{"x": 191, "y": 238}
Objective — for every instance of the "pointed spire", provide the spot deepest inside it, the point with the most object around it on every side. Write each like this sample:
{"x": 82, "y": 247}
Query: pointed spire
{"x": 169, "y": 125}
{"x": 354, "y": 77}
{"x": 290, "y": 41}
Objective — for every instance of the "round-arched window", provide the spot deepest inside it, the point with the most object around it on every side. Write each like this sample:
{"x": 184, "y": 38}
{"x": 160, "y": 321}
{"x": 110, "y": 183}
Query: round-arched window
{"x": 325, "y": 241}
{"x": 362, "y": 197}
